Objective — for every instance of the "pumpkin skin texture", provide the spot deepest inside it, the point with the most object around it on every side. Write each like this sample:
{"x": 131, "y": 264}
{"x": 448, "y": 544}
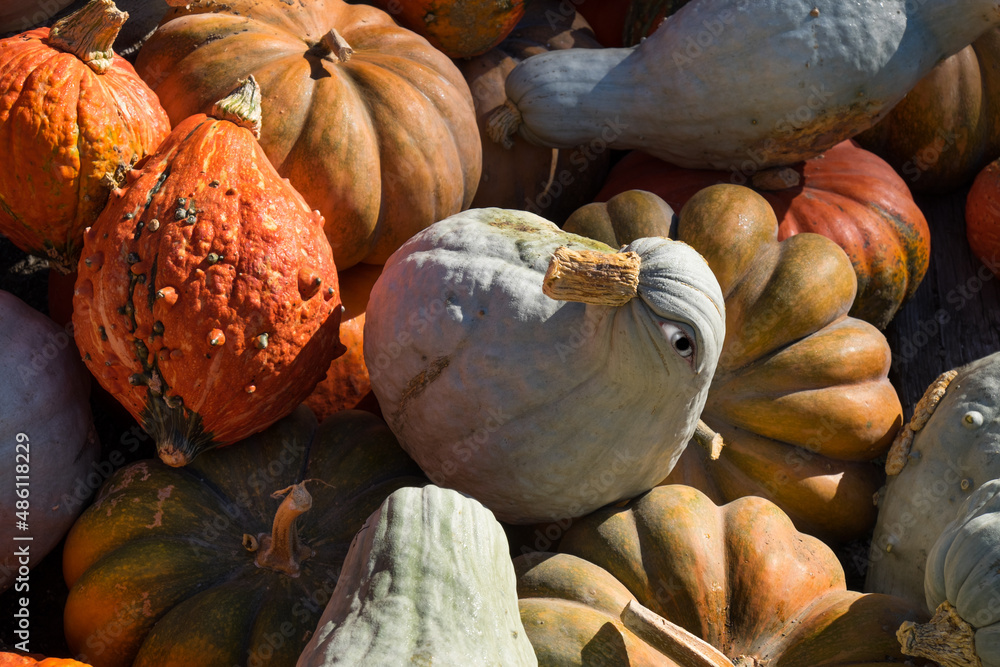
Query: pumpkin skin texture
{"x": 397, "y": 110}
{"x": 549, "y": 182}
{"x": 946, "y": 452}
{"x": 17, "y": 660}
{"x": 943, "y": 132}
{"x": 72, "y": 128}
{"x": 501, "y": 392}
{"x": 847, "y": 194}
{"x": 451, "y": 597}
{"x": 832, "y": 70}
{"x": 159, "y": 567}
{"x": 982, "y": 217}
{"x": 738, "y": 576}
{"x": 346, "y": 381}
{"x": 48, "y": 431}
{"x": 207, "y": 299}
{"x": 457, "y": 28}
{"x": 801, "y": 395}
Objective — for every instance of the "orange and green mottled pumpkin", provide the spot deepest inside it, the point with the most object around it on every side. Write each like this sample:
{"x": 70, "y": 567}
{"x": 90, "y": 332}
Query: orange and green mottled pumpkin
{"x": 74, "y": 117}
{"x": 373, "y": 125}
{"x": 749, "y": 588}
{"x": 801, "y": 395}
{"x": 206, "y": 298}
{"x": 207, "y": 564}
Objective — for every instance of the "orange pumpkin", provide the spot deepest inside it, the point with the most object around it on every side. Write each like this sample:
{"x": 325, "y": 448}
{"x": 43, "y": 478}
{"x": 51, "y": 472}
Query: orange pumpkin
{"x": 374, "y": 126}
{"x": 982, "y": 217}
{"x": 34, "y": 660}
{"x": 847, "y": 194}
{"x": 74, "y": 117}
{"x": 207, "y": 299}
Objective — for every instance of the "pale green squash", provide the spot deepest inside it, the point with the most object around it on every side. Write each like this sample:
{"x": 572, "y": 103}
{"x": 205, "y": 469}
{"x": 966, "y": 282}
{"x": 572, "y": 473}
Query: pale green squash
{"x": 428, "y": 581}
{"x": 540, "y": 408}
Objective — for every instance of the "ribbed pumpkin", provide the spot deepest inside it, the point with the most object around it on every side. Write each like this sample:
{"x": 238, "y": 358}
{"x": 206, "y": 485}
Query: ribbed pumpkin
{"x": 206, "y": 299}
{"x": 801, "y": 395}
{"x": 74, "y": 117}
{"x": 374, "y": 126}
{"x": 458, "y": 28}
{"x": 736, "y": 584}
{"x": 207, "y": 565}
{"x": 847, "y": 194}
{"x": 547, "y": 181}
{"x": 945, "y": 130}
{"x": 346, "y": 381}
{"x": 982, "y": 217}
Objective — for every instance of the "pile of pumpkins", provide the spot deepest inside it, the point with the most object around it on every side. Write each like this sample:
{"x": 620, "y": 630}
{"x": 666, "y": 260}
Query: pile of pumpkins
{"x": 389, "y": 283}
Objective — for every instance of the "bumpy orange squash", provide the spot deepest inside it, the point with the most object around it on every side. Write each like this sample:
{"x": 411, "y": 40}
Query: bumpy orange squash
{"x": 801, "y": 395}
{"x": 207, "y": 299}
{"x": 73, "y": 118}
{"x": 373, "y": 125}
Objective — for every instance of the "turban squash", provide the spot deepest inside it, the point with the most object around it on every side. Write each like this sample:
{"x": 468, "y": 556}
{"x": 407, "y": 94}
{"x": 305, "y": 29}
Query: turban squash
{"x": 738, "y": 577}
{"x": 801, "y": 394}
{"x": 202, "y": 565}
{"x": 74, "y": 117}
{"x": 373, "y": 125}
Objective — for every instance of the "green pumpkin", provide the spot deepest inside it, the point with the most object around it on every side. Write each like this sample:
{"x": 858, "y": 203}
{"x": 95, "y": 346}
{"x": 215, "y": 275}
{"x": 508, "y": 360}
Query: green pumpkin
{"x": 428, "y": 581}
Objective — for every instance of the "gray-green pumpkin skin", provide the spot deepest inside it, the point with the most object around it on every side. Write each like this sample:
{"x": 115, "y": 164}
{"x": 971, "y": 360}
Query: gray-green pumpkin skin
{"x": 428, "y": 581}
{"x": 540, "y": 409}
{"x": 955, "y": 452}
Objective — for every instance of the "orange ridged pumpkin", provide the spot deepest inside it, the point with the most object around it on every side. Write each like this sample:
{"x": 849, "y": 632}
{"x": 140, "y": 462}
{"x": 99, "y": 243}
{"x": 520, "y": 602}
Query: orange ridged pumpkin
{"x": 982, "y": 217}
{"x": 847, "y": 194}
{"x": 74, "y": 117}
{"x": 207, "y": 299}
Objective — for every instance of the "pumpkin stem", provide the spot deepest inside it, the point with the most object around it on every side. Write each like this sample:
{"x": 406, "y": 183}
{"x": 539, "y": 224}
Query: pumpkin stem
{"x": 946, "y": 639}
{"x": 333, "y": 43}
{"x": 673, "y": 641}
{"x": 899, "y": 452}
{"x": 709, "y": 440}
{"x": 591, "y": 276}
{"x": 775, "y": 178}
{"x": 242, "y": 106}
{"x": 89, "y": 33}
{"x": 503, "y": 123}
{"x": 281, "y": 550}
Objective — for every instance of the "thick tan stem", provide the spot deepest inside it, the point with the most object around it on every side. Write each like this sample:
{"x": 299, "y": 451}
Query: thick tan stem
{"x": 709, "y": 440}
{"x": 281, "y": 550}
{"x": 946, "y": 639}
{"x": 670, "y": 639}
{"x": 242, "y": 106}
{"x": 502, "y": 124}
{"x": 89, "y": 33}
{"x": 590, "y": 276}
{"x": 333, "y": 43}
{"x": 899, "y": 452}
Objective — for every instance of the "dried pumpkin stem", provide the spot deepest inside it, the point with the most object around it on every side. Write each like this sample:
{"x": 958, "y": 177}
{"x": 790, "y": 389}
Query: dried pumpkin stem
{"x": 242, "y": 106}
{"x": 281, "y": 550}
{"x": 502, "y": 124}
{"x": 89, "y": 33}
{"x": 590, "y": 276}
{"x": 947, "y": 639}
{"x": 709, "y": 440}
{"x": 333, "y": 43}
{"x": 673, "y": 641}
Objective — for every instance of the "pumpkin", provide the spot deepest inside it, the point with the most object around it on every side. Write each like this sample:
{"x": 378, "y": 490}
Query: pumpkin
{"x": 458, "y": 28}
{"x": 231, "y": 559}
{"x": 961, "y": 585}
{"x": 801, "y": 395}
{"x": 620, "y": 23}
{"x": 206, "y": 299}
{"x": 982, "y": 217}
{"x": 49, "y": 441}
{"x": 547, "y": 181}
{"x": 73, "y": 118}
{"x": 427, "y": 580}
{"x": 943, "y": 132}
{"x": 945, "y": 452}
{"x": 847, "y": 194}
{"x": 346, "y": 382}
{"x": 737, "y": 584}
{"x": 726, "y": 80}
{"x": 348, "y": 92}
{"x": 19, "y": 660}
{"x": 541, "y": 402}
